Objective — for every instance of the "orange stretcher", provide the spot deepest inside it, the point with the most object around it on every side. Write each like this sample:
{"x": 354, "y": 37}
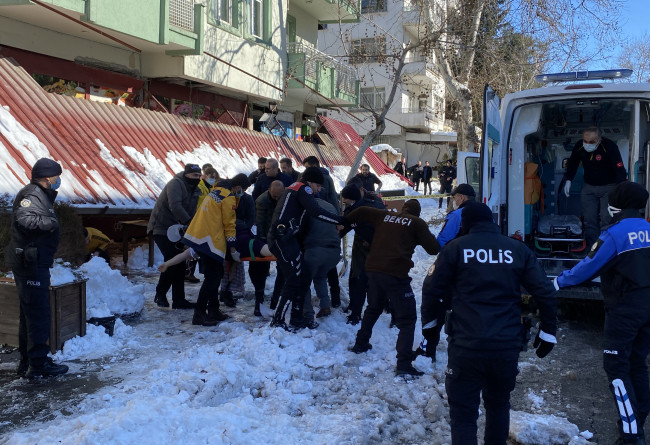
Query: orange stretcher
{"x": 258, "y": 259}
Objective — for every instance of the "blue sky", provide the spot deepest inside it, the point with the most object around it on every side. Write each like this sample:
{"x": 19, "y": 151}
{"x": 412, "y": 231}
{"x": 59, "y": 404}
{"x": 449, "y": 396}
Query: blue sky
{"x": 635, "y": 17}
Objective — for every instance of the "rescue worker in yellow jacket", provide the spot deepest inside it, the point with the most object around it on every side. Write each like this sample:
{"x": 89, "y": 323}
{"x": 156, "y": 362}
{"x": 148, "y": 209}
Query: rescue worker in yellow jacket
{"x": 209, "y": 235}
{"x": 96, "y": 244}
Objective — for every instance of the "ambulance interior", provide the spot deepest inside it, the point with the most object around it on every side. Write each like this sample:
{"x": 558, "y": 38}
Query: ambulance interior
{"x": 552, "y": 224}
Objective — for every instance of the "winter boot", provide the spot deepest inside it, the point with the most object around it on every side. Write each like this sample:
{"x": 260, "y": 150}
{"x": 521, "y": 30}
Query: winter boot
{"x": 214, "y": 313}
{"x": 23, "y": 366}
{"x": 336, "y": 298}
{"x": 45, "y": 369}
{"x": 274, "y": 302}
{"x": 200, "y": 318}
{"x": 360, "y": 348}
{"x": 182, "y": 304}
{"x": 323, "y": 312}
{"x": 353, "y": 319}
{"x": 257, "y": 312}
{"x": 408, "y": 370}
{"x": 227, "y": 298}
{"x": 259, "y": 299}
{"x": 161, "y": 301}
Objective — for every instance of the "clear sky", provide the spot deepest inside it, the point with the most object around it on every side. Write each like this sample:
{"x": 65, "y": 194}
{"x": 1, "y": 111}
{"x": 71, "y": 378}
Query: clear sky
{"x": 635, "y": 15}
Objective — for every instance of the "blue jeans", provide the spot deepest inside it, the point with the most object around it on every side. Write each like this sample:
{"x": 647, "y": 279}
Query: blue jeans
{"x": 318, "y": 262}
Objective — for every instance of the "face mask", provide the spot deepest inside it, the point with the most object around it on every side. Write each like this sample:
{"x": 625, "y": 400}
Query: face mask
{"x": 589, "y": 147}
{"x": 57, "y": 184}
{"x": 239, "y": 194}
{"x": 612, "y": 211}
{"x": 455, "y": 205}
{"x": 211, "y": 181}
{"x": 193, "y": 182}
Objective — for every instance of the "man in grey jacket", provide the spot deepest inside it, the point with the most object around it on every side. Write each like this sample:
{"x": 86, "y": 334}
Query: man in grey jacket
{"x": 322, "y": 252}
{"x": 175, "y": 205}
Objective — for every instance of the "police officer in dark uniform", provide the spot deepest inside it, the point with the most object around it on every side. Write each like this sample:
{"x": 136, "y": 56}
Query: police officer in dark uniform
{"x": 296, "y": 201}
{"x": 446, "y": 176}
{"x": 30, "y": 254}
{"x": 622, "y": 258}
{"x": 479, "y": 277}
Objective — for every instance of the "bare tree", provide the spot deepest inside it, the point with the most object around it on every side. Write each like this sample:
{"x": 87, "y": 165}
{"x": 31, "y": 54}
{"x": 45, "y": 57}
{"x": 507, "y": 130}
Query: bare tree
{"x": 635, "y": 55}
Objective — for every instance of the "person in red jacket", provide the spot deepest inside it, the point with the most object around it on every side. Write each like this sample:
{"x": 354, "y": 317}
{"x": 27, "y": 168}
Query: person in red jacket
{"x": 387, "y": 266}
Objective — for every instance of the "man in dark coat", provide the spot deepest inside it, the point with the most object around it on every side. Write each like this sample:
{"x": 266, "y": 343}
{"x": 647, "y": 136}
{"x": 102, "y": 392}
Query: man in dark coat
{"x": 427, "y": 176}
{"x": 175, "y": 205}
{"x": 261, "y": 165}
{"x": 286, "y": 165}
{"x": 416, "y": 174}
{"x": 296, "y": 202}
{"x": 388, "y": 266}
{"x": 271, "y": 173}
{"x": 367, "y": 179}
{"x": 446, "y": 176}
{"x": 479, "y": 277}
{"x": 30, "y": 254}
{"x": 621, "y": 257}
{"x": 400, "y": 167}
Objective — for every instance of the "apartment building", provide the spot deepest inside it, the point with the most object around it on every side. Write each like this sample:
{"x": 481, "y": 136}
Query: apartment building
{"x": 415, "y": 123}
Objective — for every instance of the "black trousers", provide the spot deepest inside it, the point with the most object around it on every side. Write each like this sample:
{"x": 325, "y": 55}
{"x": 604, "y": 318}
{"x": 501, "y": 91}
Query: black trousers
{"x": 33, "y": 288}
{"x": 258, "y": 272}
{"x": 469, "y": 375}
{"x": 358, "y": 290}
{"x": 627, "y": 343}
{"x": 427, "y": 184}
{"x": 335, "y": 287}
{"x": 445, "y": 187}
{"x": 174, "y": 276}
{"x": 384, "y": 289}
{"x": 212, "y": 275}
{"x": 296, "y": 280}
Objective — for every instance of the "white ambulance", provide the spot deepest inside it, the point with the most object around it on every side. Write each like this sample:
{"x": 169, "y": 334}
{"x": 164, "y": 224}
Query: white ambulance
{"x": 527, "y": 139}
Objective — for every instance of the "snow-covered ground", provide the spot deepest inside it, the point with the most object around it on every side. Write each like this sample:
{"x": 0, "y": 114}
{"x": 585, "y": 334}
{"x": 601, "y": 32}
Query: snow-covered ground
{"x": 243, "y": 382}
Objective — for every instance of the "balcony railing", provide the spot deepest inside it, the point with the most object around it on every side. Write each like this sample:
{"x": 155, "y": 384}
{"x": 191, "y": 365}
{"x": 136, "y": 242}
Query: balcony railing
{"x": 414, "y": 58}
{"x": 429, "y": 113}
{"x": 181, "y": 14}
{"x": 346, "y": 76}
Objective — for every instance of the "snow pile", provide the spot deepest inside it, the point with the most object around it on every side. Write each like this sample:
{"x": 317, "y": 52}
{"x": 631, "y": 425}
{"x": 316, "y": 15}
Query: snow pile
{"x": 108, "y": 292}
{"x": 139, "y": 258}
{"x": 533, "y": 429}
{"x": 60, "y": 273}
{"x": 384, "y": 147}
{"x": 536, "y": 401}
{"x": 96, "y": 343}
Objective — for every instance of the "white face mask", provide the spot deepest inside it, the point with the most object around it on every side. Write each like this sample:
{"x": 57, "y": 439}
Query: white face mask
{"x": 455, "y": 205}
{"x": 590, "y": 147}
{"x": 612, "y": 211}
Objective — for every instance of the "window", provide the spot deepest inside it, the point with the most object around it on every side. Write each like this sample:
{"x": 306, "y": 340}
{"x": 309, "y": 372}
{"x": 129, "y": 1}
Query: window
{"x": 370, "y": 6}
{"x": 226, "y": 11}
{"x": 257, "y": 18}
{"x": 367, "y": 50}
{"x": 373, "y": 98}
{"x": 225, "y": 14}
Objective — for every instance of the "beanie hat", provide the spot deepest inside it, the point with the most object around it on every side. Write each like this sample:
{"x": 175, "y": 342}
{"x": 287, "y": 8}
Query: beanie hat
{"x": 412, "y": 206}
{"x": 313, "y": 174}
{"x": 351, "y": 192}
{"x": 240, "y": 179}
{"x": 463, "y": 189}
{"x": 628, "y": 195}
{"x": 474, "y": 212}
{"x": 192, "y": 168}
{"x": 46, "y": 168}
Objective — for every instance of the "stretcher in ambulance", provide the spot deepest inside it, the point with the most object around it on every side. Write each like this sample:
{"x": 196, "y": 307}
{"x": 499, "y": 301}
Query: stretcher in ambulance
{"x": 527, "y": 140}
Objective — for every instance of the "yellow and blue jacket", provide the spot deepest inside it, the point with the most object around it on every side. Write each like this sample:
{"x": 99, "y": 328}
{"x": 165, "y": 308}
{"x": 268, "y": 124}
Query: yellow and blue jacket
{"x": 212, "y": 229}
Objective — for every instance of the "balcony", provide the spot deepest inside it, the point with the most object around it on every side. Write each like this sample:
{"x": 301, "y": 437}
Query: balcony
{"x": 330, "y": 11}
{"x": 310, "y": 69}
{"x": 420, "y": 68}
{"x": 420, "y": 118}
{"x": 173, "y": 26}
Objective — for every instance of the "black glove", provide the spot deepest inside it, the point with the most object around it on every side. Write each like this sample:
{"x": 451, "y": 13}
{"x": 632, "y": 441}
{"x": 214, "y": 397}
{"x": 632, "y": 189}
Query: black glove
{"x": 543, "y": 347}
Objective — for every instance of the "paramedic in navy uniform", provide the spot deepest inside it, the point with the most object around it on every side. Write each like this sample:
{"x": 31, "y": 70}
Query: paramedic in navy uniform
{"x": 603, "y": 169}
{"x": 622, "y": 258}
{"x": 479, "y": 276}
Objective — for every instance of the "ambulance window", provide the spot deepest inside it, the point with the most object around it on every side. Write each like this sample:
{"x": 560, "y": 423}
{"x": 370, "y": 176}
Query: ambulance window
{"x": 472, "y": 168}
{"x": 490, "y": 151}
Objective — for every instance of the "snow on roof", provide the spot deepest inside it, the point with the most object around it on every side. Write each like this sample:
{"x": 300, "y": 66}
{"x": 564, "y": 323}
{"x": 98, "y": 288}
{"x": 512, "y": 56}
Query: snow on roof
{"x": 384, "y": 147}
{"x": 122, "y": 157}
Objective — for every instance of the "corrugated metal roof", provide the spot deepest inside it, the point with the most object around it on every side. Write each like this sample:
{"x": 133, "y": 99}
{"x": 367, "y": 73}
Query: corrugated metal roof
{"x": 119, "y": 156}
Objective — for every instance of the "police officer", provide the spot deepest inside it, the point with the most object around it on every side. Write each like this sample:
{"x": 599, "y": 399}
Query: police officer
{"x": 622, "y": 258}
{"x": 296, "y": 201}
{"x": 446, "y": 176}
{"x": 479, "y": 277}
{"x": 603, "y": 167}
{"x": 462, "y": 194}
{"x": 387, "y": 266}
{"x": 30, "y": 254}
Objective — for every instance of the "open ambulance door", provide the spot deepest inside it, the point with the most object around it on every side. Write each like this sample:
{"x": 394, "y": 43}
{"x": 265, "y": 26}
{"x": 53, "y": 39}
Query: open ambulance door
{"x": 492, "y": 189}
{"x": 468, "y": 169}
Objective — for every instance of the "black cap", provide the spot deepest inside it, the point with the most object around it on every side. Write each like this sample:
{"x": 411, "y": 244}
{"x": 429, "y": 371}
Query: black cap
{"x": 473, "y": 212}
{"x": 351, "y": 192}
{"x": 313, "y": 174}
{"x": 240, "y": 179}
{"x": 413, "y": 207}
{"x": 192, "y": 168}
{"x": 628, "y": 195}
{"x": 46, "y": 168}
{"x": 463, "y": 189}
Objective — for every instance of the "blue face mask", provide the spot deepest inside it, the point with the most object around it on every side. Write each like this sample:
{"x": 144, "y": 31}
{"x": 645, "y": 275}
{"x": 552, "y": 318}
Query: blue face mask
{"x": 211, "y": 181}
{"x": 57, "y": 184}
{"x": 239, "y": 194}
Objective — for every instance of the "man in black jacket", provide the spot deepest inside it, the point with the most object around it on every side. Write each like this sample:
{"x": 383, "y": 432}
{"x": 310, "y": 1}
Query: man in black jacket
{"x": 446, "y": 176}
{"x": 604, "y": 168}
{"x": 271, "y": 173}
{"x": 367, "y": 179}
{"x": 296, "y": 201}
{"x": 427, "y": 176}
{"x": 176, "y": 204}
{"x": 479, "y": 277}
{"x": 416, "y": 174}
{"x": 30, "y": 254}
{"x": 286, "y": 165}
{"x": 621, "y": 257}
{"x": 261, "y": 165}
{"x": 400, "y": 167}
